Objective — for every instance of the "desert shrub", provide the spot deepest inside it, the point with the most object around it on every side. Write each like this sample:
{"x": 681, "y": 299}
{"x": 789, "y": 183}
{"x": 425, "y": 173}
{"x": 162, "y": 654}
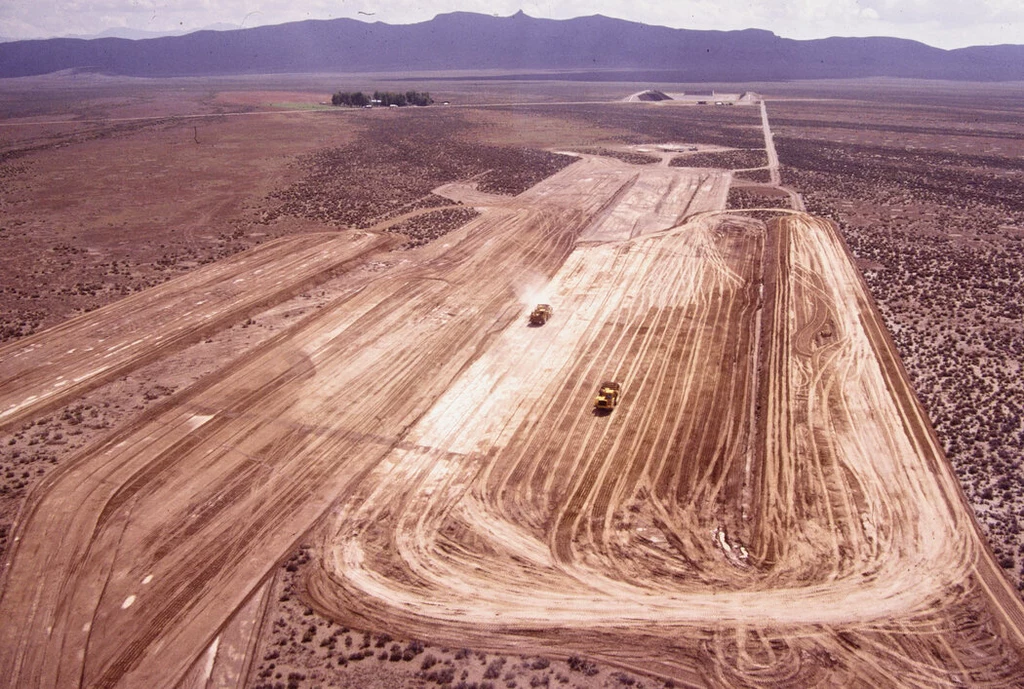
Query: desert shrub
{"x": 583, "y": 666}
{"x": 494, "y": 668}
{"x": 444, "y": 675}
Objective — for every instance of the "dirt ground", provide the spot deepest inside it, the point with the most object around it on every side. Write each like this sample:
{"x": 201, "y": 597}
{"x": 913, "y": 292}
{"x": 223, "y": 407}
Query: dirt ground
{"x": 315, "y": 444}
{"x": 928, "y": 197}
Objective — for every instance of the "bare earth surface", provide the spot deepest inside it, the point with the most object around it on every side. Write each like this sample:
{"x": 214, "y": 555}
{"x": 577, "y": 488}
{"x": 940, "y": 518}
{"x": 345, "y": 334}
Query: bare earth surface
{"x": 768, "y": 505}
{"x": 44, "y": 370}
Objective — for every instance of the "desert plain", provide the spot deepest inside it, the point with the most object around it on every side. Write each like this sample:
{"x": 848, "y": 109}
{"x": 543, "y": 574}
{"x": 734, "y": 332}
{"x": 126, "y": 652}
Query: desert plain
{"x": 272, "y": 414}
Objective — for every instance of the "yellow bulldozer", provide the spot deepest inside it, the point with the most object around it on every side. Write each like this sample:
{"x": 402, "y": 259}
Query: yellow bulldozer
{"x": 607, "y": 396}
{"x": 541, "y": 314}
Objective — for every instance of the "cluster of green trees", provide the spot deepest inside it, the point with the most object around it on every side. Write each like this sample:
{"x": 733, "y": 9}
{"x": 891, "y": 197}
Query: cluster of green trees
{"x": 358, "y": 99}
{"x": 400, "y": 99}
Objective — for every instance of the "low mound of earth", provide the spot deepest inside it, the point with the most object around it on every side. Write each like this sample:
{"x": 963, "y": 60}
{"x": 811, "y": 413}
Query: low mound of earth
{"x": 653, "y": 96}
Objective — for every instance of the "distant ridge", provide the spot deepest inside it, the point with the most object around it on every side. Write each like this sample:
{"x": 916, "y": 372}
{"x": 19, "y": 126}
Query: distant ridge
{"x": 139, "y": 34}
{"x": 467, "y": 41}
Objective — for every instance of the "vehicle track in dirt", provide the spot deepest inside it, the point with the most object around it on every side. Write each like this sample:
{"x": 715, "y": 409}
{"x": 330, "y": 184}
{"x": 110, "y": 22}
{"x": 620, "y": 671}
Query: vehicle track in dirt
{"x": 45, "y": 370}
{"x": 520, "y": 521}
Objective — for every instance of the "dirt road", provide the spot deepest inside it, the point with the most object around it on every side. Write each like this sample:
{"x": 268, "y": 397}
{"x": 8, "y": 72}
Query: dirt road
{"x": 796, "y": 202}
{"x": 46, "y": 370}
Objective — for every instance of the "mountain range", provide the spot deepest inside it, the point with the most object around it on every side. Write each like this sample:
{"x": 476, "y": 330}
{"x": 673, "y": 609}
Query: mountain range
{"x": 598, "y": 46}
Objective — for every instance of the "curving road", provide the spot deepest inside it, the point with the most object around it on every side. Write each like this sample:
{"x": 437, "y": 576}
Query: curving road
{"x": 767, "y": 506}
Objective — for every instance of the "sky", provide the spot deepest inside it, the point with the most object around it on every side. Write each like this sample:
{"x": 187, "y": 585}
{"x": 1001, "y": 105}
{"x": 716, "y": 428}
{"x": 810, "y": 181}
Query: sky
{"x": 941, "y": 23}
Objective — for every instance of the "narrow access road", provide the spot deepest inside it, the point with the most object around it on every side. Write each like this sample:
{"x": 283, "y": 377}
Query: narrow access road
{"x": 795, "y": 200}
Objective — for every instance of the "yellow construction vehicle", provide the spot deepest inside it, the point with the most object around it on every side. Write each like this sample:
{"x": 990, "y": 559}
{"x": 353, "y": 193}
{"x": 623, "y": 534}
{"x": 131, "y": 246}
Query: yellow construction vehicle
{"x": 607, "y": 396}
{"x": 541, "y": 314}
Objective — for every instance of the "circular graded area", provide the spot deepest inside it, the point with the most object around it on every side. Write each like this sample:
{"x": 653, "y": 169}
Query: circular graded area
{"x": 827, "y": 520}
